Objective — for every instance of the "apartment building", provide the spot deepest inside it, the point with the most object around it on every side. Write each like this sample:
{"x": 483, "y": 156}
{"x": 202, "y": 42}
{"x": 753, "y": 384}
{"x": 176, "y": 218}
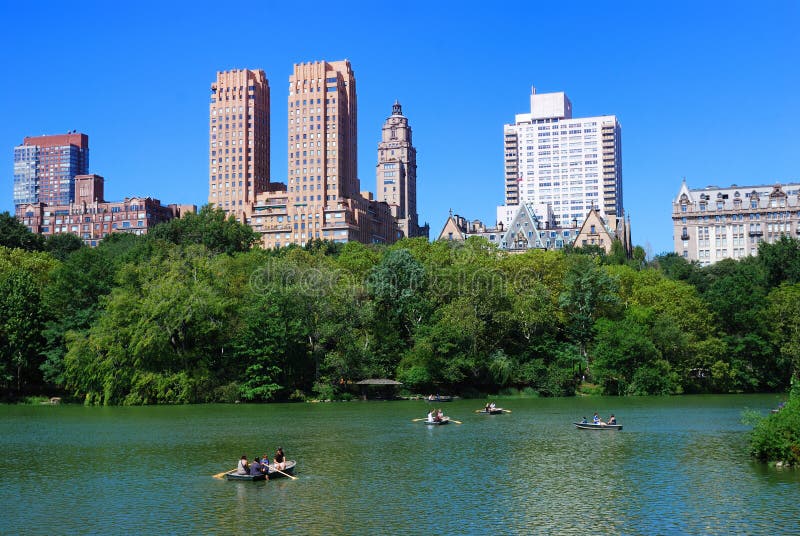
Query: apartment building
{"x": 713, "y": 223}
{"x": 573, "y": 164}
{"x": 45, "y": 168}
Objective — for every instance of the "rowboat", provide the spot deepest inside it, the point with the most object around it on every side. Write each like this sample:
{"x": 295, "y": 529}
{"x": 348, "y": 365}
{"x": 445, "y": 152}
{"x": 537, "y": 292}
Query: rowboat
{"x": 439, "y": 398}
{"x": 593, "y": 426}
{"x": 231, "y": 475}
{"x": 495, "y": 411}
{"x": 445, "y": 420}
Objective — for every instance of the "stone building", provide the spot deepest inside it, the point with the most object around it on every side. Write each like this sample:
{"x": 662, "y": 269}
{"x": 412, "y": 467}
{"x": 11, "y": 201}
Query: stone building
{"x": 396, "y": 173}
{"x": 535, "y": 227}
{"x": 713, "y": 223}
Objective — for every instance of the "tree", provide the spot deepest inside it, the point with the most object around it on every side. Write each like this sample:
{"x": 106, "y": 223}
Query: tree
{"x": 13, "y": 234}
{"x": 73, "y": 299}
{"x": 62, "y": 245}
{"x": 21, "y": 320}
{"x": 160, "y": 336}
{"x": 397, "y": 284}
{"x": 781, "y": 260}
{"x": 210, "y": 228}
{"x": 589, "y": 293}
{"x": 783, "y": 310}
{"x": 622, "y": 352}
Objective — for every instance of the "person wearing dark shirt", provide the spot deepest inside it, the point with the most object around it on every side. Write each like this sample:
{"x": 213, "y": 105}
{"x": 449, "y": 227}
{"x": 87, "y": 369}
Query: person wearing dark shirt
{"x": 256, "y": 468}
{"x": 280, "y": 459}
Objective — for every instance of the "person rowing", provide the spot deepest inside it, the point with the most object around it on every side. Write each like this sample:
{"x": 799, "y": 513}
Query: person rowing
{"x": 257, "y": 468}
{"x": 430, "y": 416}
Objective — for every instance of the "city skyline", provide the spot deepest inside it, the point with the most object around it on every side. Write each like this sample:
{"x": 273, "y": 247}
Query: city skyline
{"x": 711, "y": 103}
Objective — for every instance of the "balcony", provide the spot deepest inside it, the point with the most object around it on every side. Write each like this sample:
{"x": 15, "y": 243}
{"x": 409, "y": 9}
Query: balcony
{"x": 685, "y": 236}
{"x": 756, "y": 233}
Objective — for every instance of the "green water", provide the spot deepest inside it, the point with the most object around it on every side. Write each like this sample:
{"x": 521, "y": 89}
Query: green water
{"x": 679, "y": 467}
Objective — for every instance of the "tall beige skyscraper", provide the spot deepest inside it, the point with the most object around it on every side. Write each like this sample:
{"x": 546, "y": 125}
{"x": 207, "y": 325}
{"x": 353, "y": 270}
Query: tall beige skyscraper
{"x": 321, "y": 198}
{"x": 238, "y": 140}
{"x": 323, "y": 132}
{"x": 396, "y": 173}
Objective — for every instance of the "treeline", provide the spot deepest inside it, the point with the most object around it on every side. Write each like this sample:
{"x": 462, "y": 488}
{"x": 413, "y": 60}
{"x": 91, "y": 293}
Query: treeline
{"x": 194, "y": 312}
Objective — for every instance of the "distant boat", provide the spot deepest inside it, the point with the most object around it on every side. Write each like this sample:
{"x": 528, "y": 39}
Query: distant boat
{"x": 593, "y": 426}
{"x": 439, "y": 398}
{"x": 445, "y": 420}
{"x": 231, "y": 475}
{"x": 492, "y": 411}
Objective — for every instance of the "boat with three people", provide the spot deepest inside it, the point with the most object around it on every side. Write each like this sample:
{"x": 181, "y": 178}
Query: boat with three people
{"x": 596, "y": 426}
{"x": 273, "y": 473}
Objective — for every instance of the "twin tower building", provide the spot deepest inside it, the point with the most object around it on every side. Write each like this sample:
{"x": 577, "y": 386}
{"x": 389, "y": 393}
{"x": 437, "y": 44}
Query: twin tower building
{"x": 322, "y": 196}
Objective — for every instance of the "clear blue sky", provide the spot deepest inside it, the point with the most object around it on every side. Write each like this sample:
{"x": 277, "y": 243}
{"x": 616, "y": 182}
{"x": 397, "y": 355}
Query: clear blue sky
{"x": 705, "y": 90}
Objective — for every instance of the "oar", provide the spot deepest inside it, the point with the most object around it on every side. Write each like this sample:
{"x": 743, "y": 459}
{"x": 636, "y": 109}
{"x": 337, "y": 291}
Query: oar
{"x": 223, "y": 473}
{"x": 281, "y": 472}
{"x": 417, "y": 420}
{"x": 455, "y": 421}
{"x": 507, "y": 410}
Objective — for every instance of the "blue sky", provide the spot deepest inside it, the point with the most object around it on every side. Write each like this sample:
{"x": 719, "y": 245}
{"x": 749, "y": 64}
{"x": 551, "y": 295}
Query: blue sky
{"x": 705, "y": 90}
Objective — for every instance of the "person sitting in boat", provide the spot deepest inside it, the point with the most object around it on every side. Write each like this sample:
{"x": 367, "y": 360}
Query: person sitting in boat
{"x": 439, "y": 415}
{"x": 612, "y": 419}
{"x": 584, "y": 421}
{"x": 430, "y": 416}
{"x": 596, "y": 419}
{"x": 257, "y": 468}
{"x": 486, "y": 408}
{"x": 243, "y": 468}
{"x": 492, "y": 406}
{"x": 280, "y": 459}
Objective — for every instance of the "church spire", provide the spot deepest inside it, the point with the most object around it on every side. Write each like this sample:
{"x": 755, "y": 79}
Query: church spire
{"x": 396, "y": 108}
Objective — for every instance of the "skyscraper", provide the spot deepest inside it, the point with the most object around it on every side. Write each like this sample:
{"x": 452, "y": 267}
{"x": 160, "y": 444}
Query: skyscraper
{"x": 396, "y": 173}
{"x": 238, "y": 140}
{"x": 571, "y": 164}
{"x": 323, "y": 132}
{"x": 322, "y": 197}
{"x": 45, "y": 168}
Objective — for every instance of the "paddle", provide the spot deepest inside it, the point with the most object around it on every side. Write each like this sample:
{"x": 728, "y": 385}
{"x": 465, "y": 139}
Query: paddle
{"x": 223, "y": 473}
{"x": 417, "y": 420}
{"x": 281, "y": 472}
{"x": 455, "y": 421}
{"x": 507, "y": 410}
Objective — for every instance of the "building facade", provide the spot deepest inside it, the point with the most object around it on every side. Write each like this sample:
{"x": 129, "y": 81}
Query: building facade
{"x": 711, "y": 224}
{"x": 45, "y": 168}
{"x": 239, "y": 138}
{"x": 535, "y": 227}
{"x": 91, "y": 218}
{"x": 572, "y": 164}
{"x": 321, "y": 198}
{"x": 396, "y": 173}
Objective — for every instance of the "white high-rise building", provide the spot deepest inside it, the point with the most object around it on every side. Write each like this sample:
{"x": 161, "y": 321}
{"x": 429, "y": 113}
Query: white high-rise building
{"x": 571, "y": 164}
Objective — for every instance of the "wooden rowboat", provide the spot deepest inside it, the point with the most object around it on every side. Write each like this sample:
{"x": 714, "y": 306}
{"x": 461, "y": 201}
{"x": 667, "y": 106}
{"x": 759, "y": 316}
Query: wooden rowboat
{"x": 231, "y": 475}
{"x": 445, "y": 420}
{"x": 495, "y": 411}
{"x": 593, "y": 426}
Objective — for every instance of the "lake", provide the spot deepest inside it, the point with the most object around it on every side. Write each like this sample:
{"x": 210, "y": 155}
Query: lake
{"x": 679, "y": 466}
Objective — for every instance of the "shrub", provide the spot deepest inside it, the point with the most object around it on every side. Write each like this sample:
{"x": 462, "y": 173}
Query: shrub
{"x": 776, "y": 438}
